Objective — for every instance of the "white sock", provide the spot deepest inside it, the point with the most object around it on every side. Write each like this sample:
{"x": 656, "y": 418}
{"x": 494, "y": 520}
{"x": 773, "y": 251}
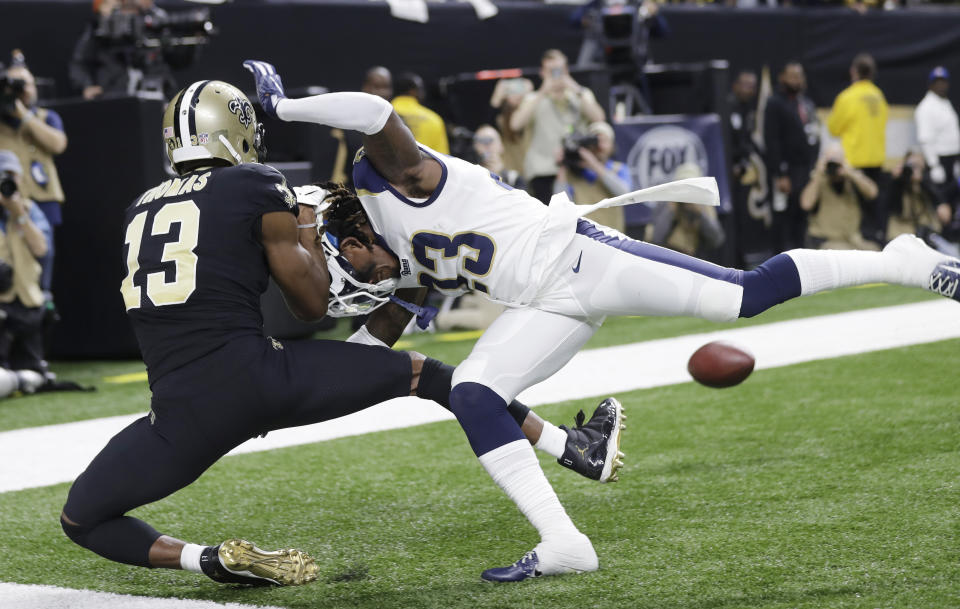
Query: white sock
{"x": 822, "y": 270}
{"x": 190, "y": 557}
{"x": 515, "y": 469}
{"x": 553, "y": 440}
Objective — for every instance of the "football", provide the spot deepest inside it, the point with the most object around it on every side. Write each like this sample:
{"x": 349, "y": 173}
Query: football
{"x": 720, "y": 364}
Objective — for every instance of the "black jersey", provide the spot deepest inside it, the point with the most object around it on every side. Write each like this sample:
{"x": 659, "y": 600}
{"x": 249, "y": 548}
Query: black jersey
{"x": 195, "y": 265}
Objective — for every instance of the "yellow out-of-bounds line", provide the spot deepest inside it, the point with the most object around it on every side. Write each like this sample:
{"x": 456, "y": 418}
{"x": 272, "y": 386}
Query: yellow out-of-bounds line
{"x": 132, "y": 377}
{"x": 446, "y": 337}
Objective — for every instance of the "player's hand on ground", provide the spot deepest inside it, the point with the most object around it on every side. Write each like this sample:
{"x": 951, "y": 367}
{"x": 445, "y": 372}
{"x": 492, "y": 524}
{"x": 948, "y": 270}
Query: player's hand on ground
{"x": 269, "y": 86}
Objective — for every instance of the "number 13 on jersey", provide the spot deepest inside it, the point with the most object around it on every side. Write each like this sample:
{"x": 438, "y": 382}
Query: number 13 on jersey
{"x": 181, "y": 252}
{"x": 455, "y": 261}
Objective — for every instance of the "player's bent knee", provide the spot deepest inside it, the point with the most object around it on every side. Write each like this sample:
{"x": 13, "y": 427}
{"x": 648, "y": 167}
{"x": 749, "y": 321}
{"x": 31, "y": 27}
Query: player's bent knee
{"x": 483, "y": 415}
{"x": 473, "y": 401}
{"x": 77, "y": 533}
{"x": 720, "y": 301}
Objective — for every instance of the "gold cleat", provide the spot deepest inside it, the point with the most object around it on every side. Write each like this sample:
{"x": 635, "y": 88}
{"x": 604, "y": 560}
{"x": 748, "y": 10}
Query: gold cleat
{"x": 284, "y": 567}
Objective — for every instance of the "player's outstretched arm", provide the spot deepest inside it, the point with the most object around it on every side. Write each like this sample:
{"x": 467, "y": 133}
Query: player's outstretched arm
{"x": 296, "y": 262}
{"x": 387, "y": 141}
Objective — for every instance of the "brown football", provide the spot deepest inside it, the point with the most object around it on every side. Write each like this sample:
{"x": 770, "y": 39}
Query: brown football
{"x": 720, "y": 364}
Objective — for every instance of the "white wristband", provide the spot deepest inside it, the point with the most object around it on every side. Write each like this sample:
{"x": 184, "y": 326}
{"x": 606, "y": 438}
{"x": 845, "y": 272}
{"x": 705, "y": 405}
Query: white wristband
{"x": 363, "y": 337}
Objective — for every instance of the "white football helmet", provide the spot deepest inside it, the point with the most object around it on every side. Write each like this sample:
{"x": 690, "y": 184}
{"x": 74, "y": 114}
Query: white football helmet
{"x": 350, "y": 297}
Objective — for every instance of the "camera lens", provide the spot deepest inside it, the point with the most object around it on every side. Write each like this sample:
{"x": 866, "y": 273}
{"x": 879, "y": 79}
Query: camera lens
{"x": 7, "y": 187}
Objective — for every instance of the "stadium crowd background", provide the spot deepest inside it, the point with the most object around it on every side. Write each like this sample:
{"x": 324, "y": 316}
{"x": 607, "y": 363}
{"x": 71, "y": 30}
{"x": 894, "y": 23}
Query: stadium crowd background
{"x": 461, "y": 75}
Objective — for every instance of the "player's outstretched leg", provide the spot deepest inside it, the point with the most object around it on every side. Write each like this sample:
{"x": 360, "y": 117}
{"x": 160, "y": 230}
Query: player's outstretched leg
{"x": 636, "y": 278}
{"x": 593, "y": 449}
{"x": 906, "y": 261}
{"x": 601, "y": 434}
{"x": 509, "y": 459}
{"x": 238, "y": 561}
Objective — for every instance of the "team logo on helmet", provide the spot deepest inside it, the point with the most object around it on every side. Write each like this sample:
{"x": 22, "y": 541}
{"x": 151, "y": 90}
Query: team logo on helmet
{"x": 242, "y": 109}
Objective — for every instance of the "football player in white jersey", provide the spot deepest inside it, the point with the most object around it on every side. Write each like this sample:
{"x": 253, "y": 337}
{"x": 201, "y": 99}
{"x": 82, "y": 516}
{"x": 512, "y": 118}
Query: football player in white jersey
{"x": 451, "y": 225}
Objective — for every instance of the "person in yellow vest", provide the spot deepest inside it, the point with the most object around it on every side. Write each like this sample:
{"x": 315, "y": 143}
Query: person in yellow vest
{"x": 832, "y": 200}
{"x": 596, "y": 177}
{"x": 36, "y": 136}
{"x": 24, "y": 238}
{"x": 859, "y": 118}
{"x": 427, "y": 126}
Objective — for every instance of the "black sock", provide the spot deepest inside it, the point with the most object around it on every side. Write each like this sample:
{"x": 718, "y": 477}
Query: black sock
{"x": 434, "y": 384}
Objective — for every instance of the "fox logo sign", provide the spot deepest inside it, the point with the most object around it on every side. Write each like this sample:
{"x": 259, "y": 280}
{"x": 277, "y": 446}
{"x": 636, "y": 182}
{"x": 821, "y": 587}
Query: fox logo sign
{"x": 658, "y": 152}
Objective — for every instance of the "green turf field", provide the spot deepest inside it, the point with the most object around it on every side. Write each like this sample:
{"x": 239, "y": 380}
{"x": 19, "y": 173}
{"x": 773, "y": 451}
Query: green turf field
{"x": 114, "y": 398}
{"x": 825, "y": 484}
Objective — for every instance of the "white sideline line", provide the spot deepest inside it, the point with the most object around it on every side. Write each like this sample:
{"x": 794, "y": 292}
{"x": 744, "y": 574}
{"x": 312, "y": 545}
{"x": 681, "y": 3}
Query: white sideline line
{"x": 30, "y": 596}
{"x": 58, "y": 453}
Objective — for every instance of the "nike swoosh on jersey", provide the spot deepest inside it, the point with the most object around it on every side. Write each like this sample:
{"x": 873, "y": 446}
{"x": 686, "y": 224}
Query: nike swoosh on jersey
{"x": 576, "y": 269}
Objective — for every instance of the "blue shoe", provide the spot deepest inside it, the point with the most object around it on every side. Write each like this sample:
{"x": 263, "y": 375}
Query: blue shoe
{"x": 568, "y": 554}
{"x": 525, "y": 568}
{"x": 945, "y": 279}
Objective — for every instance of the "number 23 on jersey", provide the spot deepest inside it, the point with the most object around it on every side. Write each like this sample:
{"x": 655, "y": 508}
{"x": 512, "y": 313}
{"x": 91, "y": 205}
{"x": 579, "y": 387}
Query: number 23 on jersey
{"x": 161, "y": 292}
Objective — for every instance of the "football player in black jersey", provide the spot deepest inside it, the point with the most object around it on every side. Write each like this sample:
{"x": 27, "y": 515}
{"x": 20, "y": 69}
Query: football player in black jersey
{"x": 199, "y": 249}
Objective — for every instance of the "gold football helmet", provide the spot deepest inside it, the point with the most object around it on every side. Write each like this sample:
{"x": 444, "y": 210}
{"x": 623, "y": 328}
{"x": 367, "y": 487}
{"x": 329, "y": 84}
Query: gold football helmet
{"x": 211, "y": 119}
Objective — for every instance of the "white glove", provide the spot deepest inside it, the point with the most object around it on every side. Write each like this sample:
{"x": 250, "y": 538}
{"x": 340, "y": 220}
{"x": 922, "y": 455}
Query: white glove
{"x": 312, "y": 196}
{"x": 938, "y": 174}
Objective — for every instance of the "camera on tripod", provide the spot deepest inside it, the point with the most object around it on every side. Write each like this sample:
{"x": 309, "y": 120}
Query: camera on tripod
{"x": 156, "y": 30}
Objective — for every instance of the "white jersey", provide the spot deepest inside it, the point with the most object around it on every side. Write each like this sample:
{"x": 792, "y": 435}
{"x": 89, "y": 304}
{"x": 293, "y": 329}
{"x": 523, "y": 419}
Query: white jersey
{"x": 473, "y": 233}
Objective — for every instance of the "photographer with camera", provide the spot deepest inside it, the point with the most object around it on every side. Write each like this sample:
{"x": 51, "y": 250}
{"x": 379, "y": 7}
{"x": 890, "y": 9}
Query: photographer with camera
{"x": 588, "y": 174}
{"x": 488, "y": 148}
{"x": 24, "y": 239}
{"x": 559, "y": 107}
{"x": 131, "y": 46}
{"x": 694, "y": 230}
{"x": 916, "y": 205}
{"x": 832, "y": 200}
{"x": 36, "y": 136}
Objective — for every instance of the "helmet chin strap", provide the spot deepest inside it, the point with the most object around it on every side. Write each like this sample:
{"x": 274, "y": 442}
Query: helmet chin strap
{"x": 230, "y": 149}
{"x": 424, "y": 314}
